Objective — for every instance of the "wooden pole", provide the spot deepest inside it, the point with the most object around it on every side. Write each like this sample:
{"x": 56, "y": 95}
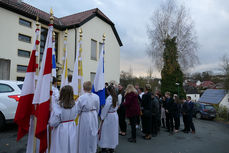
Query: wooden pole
{"x": 50, "y": 141}
{"x": 80, "y": 65}
{"x": 37, "y": 72}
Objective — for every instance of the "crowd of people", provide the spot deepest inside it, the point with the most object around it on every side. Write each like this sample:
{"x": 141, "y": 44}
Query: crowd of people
{"x": 80, "y": 126}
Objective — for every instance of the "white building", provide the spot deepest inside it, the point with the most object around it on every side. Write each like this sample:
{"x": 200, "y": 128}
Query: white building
{"x": 17, "y": 30}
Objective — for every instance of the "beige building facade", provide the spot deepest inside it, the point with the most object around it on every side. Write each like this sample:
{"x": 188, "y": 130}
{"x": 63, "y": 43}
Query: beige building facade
{"x": 17, "y": 30}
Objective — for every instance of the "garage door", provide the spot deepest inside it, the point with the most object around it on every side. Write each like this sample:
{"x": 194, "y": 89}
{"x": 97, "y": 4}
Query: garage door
{"x": 4, "y": 69}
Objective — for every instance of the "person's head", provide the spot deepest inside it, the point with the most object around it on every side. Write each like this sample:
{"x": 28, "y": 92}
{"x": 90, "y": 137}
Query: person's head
{"x": 87, "y": 86}
{"x": 141, "y": 90}
{"x": 167, "y": 94}
{"x": 147, "y": 87}
{"x": 66, "y": 99}
{"x": 136, "y": 86}
{"x": 130, "y": 88}
{"x": 182, "y": 100}
{"x": 176, "y": 98}
{"x": 106, "y": 84}
{"x": 54, "y": 81}
{"x": 69, "y": 78}
{"x": 112, "y": 92}
{"x": 158, "y": 94}
{"x": 120, "y": 87}
{"x": 189, "y": 98}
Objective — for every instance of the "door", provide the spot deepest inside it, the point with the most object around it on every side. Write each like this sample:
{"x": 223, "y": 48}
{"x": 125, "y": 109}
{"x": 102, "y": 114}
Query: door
{"x": 4, "y": 69}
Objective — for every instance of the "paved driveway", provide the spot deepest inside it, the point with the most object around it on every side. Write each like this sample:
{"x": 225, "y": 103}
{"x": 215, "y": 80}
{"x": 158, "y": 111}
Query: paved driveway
{"x": 210, "y": 137}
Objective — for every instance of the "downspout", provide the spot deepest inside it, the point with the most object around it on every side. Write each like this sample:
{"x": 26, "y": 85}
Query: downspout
{"x": 75, "y": 42}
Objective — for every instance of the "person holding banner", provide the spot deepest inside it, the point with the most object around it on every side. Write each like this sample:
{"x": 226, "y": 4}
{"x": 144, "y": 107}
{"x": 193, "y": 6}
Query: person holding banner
{"x": 64, "y": 132}
{"x": 88, "y": 109}
{"x": 108, "y": 131}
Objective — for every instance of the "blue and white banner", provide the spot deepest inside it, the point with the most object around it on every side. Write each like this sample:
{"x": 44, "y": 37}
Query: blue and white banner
{"x": 99, "y": 83}
{"x": 53, "y": 60}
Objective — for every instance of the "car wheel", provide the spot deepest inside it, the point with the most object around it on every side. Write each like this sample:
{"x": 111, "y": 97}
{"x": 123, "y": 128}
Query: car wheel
{"x": 198, "y": 115}
{"x": 2, "y": 121}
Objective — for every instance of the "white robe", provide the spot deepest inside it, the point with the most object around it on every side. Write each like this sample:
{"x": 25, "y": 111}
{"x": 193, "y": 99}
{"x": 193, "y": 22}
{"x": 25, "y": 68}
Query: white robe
{"x": 64, "y": 134}
{"x": 88, "y": 108}
{"x": 110, "y": 126}
{"x": 55, "y": 96}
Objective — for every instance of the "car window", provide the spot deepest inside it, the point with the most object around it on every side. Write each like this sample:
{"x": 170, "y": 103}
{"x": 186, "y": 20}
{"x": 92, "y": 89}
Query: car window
{"x": 5, "y": 88}
{"x": 20, "y": 86}
{"x": 208, "y": 107}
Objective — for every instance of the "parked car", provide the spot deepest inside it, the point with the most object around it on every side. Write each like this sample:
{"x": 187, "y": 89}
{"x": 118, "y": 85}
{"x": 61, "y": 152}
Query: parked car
{"x": 9, "y": 96}
{"x": 202, "y": 110}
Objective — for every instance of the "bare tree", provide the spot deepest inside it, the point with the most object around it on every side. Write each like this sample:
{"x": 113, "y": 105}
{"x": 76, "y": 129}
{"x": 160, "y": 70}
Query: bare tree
{"x": 173, "y": 20}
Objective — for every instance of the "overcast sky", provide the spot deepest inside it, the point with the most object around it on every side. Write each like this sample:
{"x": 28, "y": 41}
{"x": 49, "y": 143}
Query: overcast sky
{"x": 131, "y": 17}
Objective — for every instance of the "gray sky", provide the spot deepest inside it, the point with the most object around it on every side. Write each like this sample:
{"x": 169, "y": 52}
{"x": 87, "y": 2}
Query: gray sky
{"x": 131, "y": 17}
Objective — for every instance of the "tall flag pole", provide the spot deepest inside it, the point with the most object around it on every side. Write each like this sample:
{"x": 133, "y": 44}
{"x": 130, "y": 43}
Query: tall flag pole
{"x": 53, "y": 56}
{"x": 99, "y": 83}
{"x": 77, "y": 77}
{"x": 42, "y": 93}
{"x": 25, "y": 111}
{"x": 64, "y": 76}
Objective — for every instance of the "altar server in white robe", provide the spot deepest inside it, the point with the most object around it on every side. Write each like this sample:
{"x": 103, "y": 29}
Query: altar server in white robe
{"x": 108, "y": 132}
{"x": 64, "y": 132}
{"x": 88, "y": 108}
{"x": 55, "y": 92}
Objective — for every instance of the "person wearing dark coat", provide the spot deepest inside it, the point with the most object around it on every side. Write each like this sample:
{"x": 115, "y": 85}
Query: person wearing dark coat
{"x": 121, "y": 112}
{"x": 146, "y": 106}
{"x": 132, "y": 109}
{"x": 184, "y": 111}
{"x": 155, "y": 115}
{"x": 176, "y": 113}
{"x": 190, "y": 124}
{"x": 169, "y": 109}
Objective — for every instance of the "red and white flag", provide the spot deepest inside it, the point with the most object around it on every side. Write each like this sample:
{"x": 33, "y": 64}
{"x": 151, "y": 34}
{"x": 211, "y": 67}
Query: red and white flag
{"x": 42, "y": 93}
{"x": 25, "y": 107}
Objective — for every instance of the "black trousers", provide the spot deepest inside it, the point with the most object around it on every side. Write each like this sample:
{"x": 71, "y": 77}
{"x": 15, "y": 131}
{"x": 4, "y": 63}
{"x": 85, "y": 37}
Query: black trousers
{"x": 185, "y": 119}
{"x": 176, "y": 118}
{"x": 170, "y": 125}
{"x": 154, "y": 125}
{"x": 190, "y": 124}
{"x": 167, "y": 120}
{"x": 133, "y": 121}
{"x": 122, "y": 118}
{"x": 146, "y": 125}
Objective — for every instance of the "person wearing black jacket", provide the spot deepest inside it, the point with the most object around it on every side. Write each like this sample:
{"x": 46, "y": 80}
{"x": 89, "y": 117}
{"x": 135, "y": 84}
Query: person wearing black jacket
{"x": 170, "y": 109}
{"x": 121, "y": 111}
{"x": 189, "y": 111}
{"x": 147, "y": 112}
{"x": 155, "y": 115}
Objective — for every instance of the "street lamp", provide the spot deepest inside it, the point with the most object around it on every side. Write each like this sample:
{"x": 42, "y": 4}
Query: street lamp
{"x": 177, "y": 88}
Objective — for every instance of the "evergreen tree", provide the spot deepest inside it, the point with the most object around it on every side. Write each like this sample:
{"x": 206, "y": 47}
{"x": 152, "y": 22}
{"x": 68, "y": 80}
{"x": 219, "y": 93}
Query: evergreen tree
{"x": 172, "y": 76}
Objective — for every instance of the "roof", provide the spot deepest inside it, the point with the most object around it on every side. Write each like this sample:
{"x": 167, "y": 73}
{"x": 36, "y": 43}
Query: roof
{"x": 213, "y": 96}
{"x": 71, "y": 21}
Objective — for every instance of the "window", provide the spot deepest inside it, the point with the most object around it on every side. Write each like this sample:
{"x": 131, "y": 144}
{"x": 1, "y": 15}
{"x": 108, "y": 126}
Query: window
{"x": 93, "y": 49}
{"x": 92, "y": 76}
{"x": 44, "y": 33}
{"x": 21, "y": 68}
{"x": 100, "y": 48}
{"x": 20, "y": 79}
{"x": 23, "y": 53}
{"x": 25, "y": 22}
{"x": 24, "y": 38}
{"x": 5, "y": 88}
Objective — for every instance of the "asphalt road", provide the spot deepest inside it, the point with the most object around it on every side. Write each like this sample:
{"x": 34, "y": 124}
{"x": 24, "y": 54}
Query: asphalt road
{"x": 210, "y": 137}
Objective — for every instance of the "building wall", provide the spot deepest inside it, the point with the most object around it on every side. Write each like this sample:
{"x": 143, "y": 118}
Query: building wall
{"x": 93, "y": 29}
{"x": 225, "y": 101}
{"x": 9, "y": 43}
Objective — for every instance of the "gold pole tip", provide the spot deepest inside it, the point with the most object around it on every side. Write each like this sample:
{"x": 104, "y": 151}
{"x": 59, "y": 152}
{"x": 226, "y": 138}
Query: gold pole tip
{"x": 81, "y": 32}
{"x": 104, "y": 36}
{"x": 51, "y": 11}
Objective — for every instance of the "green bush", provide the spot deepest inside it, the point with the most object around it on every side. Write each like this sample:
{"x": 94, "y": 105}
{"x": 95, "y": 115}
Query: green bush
{"x": 222, "y": 112}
